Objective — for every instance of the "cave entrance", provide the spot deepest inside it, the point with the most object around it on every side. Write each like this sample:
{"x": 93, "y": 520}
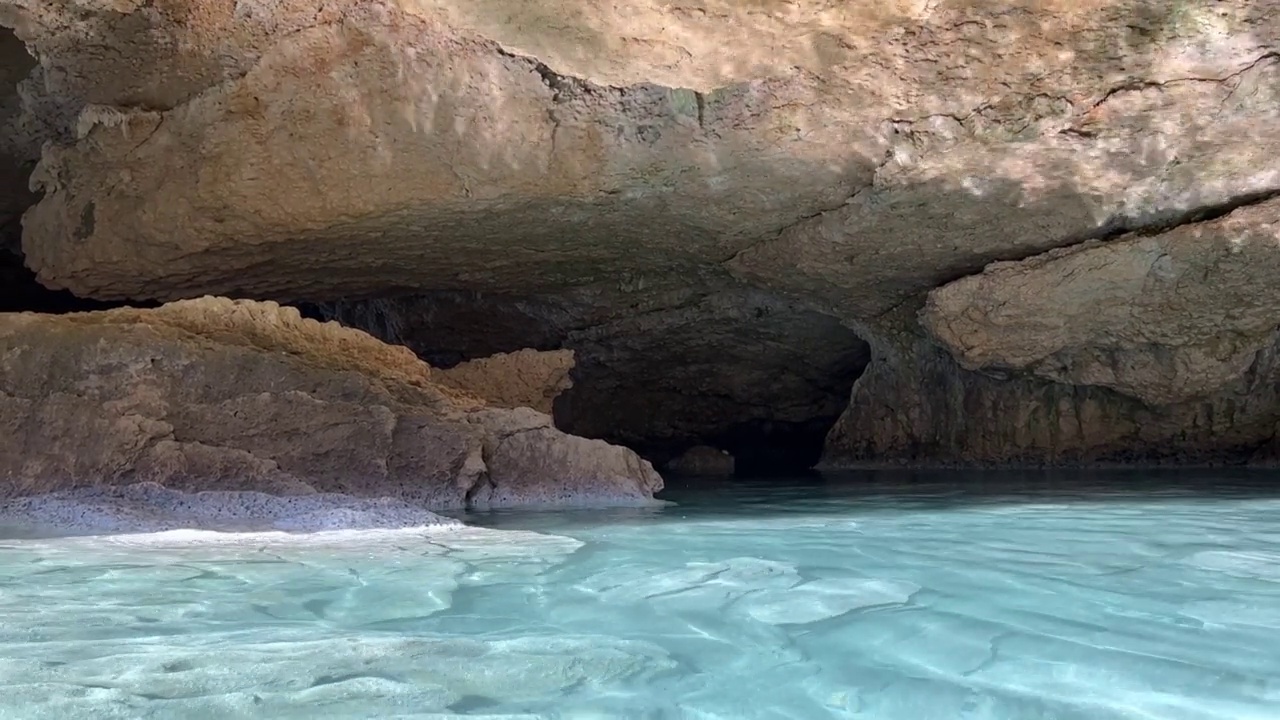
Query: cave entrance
{"x": 20, "y": 291}
{"x": 732, "y": 368}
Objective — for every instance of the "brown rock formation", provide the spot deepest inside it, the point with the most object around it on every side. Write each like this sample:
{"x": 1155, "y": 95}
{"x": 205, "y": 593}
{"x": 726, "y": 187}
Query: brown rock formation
{"x": 724, "y": 209}
{"x": 1159, "y": 347}
{"x": 525, "y": 378}
{"x": 1165, "y": 318}
{"x": 216, "y": 394}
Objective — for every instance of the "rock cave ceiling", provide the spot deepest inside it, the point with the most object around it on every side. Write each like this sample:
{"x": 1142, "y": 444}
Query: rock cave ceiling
{"x": 727, "y": 209}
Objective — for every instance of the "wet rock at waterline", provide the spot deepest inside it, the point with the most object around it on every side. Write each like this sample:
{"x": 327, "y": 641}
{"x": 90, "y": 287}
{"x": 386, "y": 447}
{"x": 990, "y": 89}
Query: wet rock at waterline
{"x": 214, "y": 394}
{"x": 726, "y": 213}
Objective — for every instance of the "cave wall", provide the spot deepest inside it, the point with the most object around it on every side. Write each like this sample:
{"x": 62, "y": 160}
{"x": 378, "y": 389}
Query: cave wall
{"x": 658, "y": 368}
{"x": 727, "y": 215}
{"x": 1155, "y": 347}
{"x": 26, "y": 122}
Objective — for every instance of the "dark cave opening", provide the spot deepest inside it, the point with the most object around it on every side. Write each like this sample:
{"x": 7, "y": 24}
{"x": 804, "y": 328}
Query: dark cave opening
{"x": 768, "y": 449}
{"x": 735, "y": 369}
{"x": 20, "y": 291}
{"x": 15, "y": 169}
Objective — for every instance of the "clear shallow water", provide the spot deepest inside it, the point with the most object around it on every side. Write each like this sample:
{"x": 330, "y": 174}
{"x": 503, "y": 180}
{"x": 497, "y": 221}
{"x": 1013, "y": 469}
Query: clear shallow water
{"x": 819, "y": 600}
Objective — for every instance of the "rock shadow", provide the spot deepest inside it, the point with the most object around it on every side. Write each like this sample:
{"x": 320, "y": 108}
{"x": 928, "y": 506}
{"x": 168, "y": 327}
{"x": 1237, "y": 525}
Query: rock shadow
{"x": 743, "y": 369}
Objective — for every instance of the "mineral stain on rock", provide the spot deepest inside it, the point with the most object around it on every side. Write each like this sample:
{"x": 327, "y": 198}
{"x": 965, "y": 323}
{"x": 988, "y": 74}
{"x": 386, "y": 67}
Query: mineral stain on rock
{"x": 87, "y": 222}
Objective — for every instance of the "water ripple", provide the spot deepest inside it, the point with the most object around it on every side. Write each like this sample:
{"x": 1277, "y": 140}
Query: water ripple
{"x": 1161, "y": 607}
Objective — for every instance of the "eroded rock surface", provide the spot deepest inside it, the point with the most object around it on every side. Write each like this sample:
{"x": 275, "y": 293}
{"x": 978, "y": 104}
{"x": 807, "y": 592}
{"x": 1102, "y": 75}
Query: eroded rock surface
{"x": 1165, "y": 319}
{"x": 216, "y": 394}
{"x": 524, "y": 378}
{"x": 635, "y": 181}
{"x": 482, "y": 167}
{"x": 1157, "y": 347}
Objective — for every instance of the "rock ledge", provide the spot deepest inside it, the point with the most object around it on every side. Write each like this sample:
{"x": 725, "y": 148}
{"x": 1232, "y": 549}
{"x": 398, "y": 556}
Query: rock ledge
{"x": 216, "y": 394}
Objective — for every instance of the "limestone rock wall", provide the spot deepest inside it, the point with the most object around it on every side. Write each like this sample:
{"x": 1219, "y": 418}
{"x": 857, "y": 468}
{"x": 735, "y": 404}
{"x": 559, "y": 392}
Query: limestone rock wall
{"x": 1150, "y": 347}
{"x": 771, "y": 189}
{"x": 227, "y": 395}
{"x": 1165, "y": 318}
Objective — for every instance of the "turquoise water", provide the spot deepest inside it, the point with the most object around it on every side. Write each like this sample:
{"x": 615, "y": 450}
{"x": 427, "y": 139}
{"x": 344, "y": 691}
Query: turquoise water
{"x": 813, "y": 600}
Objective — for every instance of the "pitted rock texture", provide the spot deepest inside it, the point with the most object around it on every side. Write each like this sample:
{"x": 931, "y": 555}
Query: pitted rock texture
{"x": 840, "y": 159}
{"x": 524, "y": 378}
{"x": 214, "y": 394}
{"x": 217, "y": 145}
{"x": 1165, "y": 319}
{"x": 1151, "y": 348}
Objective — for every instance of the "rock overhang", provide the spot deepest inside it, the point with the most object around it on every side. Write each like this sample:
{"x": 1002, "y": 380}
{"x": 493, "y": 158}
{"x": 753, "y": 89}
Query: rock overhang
{"x": 853, "y": 159}
{"x": 450, "y": 115}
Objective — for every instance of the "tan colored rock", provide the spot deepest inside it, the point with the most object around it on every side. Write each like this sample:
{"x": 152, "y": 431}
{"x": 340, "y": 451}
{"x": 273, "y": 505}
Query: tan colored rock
{"x": 221, "y": 394}
{"x": 1166, "y": 319}
{"x": 512, "y": 150}
{"x": 1147, "y": 348}
{"x": 842, "y": 158}
{"x": 524, "y": 378}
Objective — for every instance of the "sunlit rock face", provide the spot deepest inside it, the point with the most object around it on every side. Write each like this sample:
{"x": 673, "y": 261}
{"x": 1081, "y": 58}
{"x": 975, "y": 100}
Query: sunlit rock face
{"x": 726, "y": 210}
